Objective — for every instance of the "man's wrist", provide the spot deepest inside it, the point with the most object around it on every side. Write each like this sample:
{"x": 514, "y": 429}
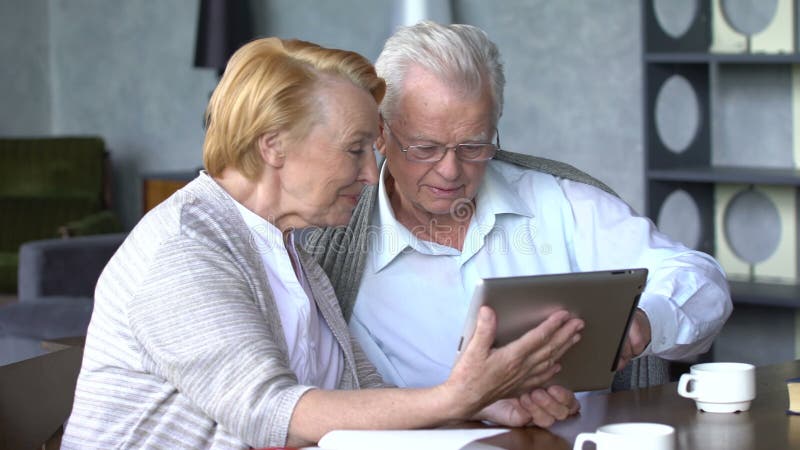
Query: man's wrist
{"x": 647, "y": 329}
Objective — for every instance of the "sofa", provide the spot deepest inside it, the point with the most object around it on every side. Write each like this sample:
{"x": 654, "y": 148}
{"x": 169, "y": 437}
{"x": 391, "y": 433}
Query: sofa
{"x": 50, "y": 187}
{"x": 57, "y": 278}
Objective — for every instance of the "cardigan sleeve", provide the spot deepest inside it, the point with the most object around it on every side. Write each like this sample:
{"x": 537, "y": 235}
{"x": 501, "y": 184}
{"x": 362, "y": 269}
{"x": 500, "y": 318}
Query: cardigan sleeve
{"x": 197, "y": 321}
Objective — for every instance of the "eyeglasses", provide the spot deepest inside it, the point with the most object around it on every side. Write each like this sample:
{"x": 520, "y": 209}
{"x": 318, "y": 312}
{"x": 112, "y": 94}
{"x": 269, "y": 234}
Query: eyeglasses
{"x": 430, "y": 153}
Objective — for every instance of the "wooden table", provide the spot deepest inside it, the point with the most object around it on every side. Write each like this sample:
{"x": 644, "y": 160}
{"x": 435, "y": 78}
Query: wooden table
{"x": 766, "y": 426}
{"x": 14, "y": 349}
{"x": 37, "y": 383}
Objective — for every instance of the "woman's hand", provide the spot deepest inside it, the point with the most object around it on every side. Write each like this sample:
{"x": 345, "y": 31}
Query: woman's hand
{"x": 483, "y": 374}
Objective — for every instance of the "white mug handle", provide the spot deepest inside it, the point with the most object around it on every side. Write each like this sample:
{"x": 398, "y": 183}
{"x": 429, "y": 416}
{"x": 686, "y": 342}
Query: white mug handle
{"x": 584, "y": 437}
{"x": 683, "y": 385}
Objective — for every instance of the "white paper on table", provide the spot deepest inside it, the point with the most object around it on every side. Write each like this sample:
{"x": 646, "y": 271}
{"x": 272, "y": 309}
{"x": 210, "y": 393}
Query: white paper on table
{"x": 440, "y": 439}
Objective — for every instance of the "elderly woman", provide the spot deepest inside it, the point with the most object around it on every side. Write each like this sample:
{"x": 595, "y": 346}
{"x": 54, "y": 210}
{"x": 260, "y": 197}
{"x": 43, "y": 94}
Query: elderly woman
{"x": 212, "y": 329}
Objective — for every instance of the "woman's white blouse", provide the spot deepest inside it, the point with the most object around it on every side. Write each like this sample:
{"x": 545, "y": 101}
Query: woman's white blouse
{"x": 314, "y": 355}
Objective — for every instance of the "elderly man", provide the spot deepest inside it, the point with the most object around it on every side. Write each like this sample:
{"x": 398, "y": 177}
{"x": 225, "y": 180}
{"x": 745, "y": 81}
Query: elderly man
{"x": 450, "y": 208}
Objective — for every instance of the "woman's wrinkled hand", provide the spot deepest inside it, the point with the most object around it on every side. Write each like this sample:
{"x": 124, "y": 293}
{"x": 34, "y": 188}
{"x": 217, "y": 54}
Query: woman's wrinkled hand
{"x": 483, "y": 375}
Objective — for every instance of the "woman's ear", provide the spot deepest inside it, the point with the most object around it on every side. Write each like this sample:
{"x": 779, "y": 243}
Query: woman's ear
{"x": 270, "y": 146}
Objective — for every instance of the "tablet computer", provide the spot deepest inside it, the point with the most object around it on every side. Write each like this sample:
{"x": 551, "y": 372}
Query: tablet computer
{"x": 605, "y": 300}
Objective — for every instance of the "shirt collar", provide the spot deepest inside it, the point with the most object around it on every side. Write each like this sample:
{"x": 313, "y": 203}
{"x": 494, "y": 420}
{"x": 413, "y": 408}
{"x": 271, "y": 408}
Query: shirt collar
{"x": 270, "y": 235}
{"x": 495, "y": 196}
{"x": 391, "y": 237}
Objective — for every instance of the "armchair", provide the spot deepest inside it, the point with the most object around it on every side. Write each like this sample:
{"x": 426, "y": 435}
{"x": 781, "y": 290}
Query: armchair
{"x": 50, "y": 187}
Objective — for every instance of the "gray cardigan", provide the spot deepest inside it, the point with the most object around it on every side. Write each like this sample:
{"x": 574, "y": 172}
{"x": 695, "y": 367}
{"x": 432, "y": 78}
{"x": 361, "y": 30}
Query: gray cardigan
{"x": 185, "y": 347}
{"x": 342, "y": 252}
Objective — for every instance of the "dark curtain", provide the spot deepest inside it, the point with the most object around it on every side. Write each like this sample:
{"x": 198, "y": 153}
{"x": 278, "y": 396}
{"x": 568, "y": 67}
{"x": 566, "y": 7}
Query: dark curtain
{"x": 222, "y": 27}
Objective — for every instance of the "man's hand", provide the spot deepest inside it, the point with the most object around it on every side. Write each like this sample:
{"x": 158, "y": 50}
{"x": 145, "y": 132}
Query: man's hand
{"x": 542, "y": 408}
{"x": 507, "y": 412}
{"x": 637, "y": 339}
{"x": 546, "y": 406}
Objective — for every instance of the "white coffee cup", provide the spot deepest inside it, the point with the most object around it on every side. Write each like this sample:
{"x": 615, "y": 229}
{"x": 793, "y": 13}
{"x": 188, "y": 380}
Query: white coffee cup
{"x": 720, "y": 387}
{"x": 629, "y": 436}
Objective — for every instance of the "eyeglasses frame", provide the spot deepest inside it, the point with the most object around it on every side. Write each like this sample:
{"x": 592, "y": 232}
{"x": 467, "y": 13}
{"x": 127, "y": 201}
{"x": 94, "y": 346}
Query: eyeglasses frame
{"x": 404, "y": 148}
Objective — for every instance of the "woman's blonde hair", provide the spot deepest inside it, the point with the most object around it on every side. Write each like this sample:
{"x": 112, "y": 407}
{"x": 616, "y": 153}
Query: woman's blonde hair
{"x": 268, "y": 86}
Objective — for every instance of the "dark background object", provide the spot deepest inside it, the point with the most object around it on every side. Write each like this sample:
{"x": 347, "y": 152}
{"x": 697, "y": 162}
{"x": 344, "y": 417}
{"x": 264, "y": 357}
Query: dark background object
{"x": 222, "y": 27}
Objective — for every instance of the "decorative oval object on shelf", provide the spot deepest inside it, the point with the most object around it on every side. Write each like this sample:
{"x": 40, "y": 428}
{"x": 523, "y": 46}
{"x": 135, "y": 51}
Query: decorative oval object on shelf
{"x": 752, "y": 226}
{"x": 754, "y": 26}
{"x": 756, "y": 232}
{"x": 749, "y": 17}
{"x": 677, "y": 114}
{"x": 679, "y": 218}
{"x": 675, "y": 16}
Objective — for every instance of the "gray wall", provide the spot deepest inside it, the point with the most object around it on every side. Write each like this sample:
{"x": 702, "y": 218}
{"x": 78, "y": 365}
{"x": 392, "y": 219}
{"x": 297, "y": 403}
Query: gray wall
{"x": 123, "y": 70}
{"x": 574, "y": 83}
{"x": 356, "y": 25}
{"x": 25, "y": 88}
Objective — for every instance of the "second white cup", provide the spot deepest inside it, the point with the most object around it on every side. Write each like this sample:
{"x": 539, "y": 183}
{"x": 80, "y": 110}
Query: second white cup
{"x": 629, "y": 436}
{"x": 720, "y": 387}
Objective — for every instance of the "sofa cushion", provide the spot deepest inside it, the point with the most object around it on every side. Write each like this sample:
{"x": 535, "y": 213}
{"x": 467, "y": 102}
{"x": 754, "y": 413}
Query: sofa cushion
{"x": 64, "y": 267}
{"x": 47, "y": 318}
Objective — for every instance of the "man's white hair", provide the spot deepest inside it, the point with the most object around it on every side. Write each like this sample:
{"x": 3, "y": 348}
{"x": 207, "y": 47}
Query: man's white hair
{"x": 460, "y": 54}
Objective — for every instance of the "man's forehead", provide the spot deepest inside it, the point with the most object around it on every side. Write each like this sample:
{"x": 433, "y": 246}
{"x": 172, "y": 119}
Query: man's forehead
{"x": 425, "y": 121}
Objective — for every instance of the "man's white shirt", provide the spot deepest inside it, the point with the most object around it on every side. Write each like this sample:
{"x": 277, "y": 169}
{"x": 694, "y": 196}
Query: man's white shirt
{"x": 414, "y": 295}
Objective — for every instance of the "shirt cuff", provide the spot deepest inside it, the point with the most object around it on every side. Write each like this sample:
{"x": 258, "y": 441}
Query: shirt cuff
{"x": 663, "y": 327}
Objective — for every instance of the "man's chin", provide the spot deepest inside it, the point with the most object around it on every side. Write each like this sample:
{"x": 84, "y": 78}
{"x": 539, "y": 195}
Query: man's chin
{"x": 439, "y": 208}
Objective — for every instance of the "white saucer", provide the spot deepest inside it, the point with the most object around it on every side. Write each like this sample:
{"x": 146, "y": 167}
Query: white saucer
{"x": 723, "y": 407}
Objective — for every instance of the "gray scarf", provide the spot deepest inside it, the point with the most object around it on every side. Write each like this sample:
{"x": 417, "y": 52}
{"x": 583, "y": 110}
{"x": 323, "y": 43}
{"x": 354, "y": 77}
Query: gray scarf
{"x": 342, "y": 251}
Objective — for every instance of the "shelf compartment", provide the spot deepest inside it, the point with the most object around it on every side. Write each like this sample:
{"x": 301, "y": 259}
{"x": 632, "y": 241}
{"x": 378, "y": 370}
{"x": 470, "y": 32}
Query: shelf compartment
{"x": 765, "y": 294}
{"x": 696, "y": 38}
{"x": 697, "y": 152}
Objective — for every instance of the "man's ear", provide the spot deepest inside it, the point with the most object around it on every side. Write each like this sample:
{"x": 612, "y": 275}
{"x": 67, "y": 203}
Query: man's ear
{"x": 270, "y": 146}
{"x": 380, "y": 143}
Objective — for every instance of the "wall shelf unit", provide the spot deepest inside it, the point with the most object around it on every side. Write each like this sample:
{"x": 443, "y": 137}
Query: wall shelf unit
{"x": 691, "y": 169}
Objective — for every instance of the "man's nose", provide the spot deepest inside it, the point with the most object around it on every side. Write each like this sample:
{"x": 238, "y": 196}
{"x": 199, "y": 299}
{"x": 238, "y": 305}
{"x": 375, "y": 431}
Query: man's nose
{"x": 450, "y": 166}
{"x": 369, "y": 169}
